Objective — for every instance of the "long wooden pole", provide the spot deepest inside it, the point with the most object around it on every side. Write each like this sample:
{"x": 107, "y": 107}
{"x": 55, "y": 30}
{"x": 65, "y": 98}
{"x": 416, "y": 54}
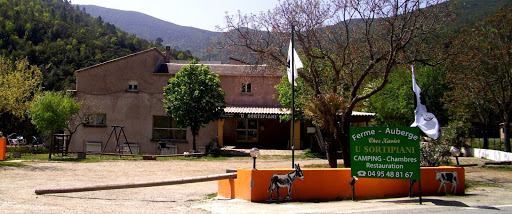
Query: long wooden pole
{"x": 139, "y": 185}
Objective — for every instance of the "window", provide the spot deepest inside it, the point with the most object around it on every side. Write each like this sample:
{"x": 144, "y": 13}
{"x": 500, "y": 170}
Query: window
{"x": 99, "y": 119}
{"x": 165, "y": 128}
{"x": 246, "y": 88}
{"x": 247, "y": 130}
{"x": 132, "y": 86}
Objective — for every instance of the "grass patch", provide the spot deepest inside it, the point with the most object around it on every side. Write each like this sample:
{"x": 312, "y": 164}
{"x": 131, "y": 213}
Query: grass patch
{"x": 196, "y": 158}
{"x": 311, "y": 154}
{"x": 11, "y": 164}
{"x": 206, "y": 197}
{"x": 474, "y": 184}
{"x": 210, "y": 196}
{"x": 72, "y": 158}
{"x": 321, "y": 165}
{"x": 506, "y": 168}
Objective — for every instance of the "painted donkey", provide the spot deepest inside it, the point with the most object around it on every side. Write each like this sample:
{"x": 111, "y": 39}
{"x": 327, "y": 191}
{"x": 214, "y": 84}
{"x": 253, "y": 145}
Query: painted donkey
{"x": 284, "y": 180}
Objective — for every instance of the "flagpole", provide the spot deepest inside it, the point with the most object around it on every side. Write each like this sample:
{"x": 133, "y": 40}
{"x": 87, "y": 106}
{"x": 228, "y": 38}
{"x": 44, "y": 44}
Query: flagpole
{"x": 294, "y": 23}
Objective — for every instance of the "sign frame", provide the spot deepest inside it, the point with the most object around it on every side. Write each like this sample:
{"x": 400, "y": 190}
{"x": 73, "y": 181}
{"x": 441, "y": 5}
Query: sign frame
{"x": 385, "y": 152}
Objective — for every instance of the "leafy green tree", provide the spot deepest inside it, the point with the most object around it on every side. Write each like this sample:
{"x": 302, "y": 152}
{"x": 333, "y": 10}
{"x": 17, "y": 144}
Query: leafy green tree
{"x": 19, "y": 83}
{"x": 395, "y": 106}
{"x": 194, "y": 98}
{"x": 284, "y": 88}
{"x": 54, "y": 111}
{"x": 483, "y": 68}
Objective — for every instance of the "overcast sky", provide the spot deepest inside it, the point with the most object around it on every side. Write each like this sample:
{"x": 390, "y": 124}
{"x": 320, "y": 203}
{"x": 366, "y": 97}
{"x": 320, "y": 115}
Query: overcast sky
{"x": 204, "y": 14}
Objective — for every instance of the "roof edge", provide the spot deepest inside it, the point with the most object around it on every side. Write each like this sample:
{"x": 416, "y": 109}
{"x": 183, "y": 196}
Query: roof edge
{"x": 123, "y": 57}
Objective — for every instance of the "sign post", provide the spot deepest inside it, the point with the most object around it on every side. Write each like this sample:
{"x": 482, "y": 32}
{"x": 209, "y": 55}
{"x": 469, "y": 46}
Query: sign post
{"x": 386, "y": 152}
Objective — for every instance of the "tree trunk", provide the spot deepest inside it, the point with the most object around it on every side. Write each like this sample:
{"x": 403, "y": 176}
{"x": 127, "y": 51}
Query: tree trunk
{"x": 506, "y": 131}
{"x": 332, "y": 153}
{"x": 194, "y": 141}
{"x": 68, "y": 142}
{"x": 344, "y": 141}
{"x": 486, "y": 138}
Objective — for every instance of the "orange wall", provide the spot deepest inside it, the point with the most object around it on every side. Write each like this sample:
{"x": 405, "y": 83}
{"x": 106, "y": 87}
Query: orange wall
{"x": 3, "y": 147}
{"x": 332, "y": 184}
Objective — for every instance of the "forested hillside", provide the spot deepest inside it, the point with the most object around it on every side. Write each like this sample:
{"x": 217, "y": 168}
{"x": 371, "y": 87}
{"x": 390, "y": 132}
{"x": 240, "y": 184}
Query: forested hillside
{"x": 470, "y": 12}
{"x": 144, "y": 25}
{"x": 60, "y": 38}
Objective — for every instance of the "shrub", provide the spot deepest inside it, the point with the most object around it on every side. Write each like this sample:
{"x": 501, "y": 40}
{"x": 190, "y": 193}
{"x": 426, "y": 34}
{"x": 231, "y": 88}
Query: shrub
{"x": 434, "y": 153}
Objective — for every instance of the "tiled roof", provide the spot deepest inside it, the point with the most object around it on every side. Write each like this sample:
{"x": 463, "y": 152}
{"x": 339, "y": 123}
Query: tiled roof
{"x": 363, "y": 114}
{"x": 256, "y": 110}
{"x": 276, "y": 110}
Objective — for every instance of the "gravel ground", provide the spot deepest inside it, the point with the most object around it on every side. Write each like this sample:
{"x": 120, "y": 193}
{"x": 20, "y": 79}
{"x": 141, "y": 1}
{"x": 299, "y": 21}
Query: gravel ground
{"x": 17, "y": 186}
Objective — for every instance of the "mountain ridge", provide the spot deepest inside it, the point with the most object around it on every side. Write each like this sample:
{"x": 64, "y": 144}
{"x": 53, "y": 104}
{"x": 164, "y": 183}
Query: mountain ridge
{"x": 184, "y": 38}
{"x": 196, "y": 41}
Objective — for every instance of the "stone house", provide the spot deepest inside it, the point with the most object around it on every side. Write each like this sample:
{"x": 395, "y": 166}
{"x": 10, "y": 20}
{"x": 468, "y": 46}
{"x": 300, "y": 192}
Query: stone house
{"x": 127, "y": 92}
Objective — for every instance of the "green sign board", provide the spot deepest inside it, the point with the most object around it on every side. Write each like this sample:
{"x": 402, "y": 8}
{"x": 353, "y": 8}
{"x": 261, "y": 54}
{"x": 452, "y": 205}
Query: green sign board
{"x": 385, "y": 152}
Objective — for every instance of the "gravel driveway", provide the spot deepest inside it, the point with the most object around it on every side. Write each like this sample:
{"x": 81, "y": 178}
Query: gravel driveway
{"x": 17, "y": 186}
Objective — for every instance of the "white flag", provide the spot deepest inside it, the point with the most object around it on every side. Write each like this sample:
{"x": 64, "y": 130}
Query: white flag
{"x": 296, "y": 61}
{"x": 426, "y": 121}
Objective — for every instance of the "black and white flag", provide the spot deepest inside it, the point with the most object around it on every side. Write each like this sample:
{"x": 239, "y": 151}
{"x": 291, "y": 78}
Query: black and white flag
{"x": 296, "y": 61}
{"x": 426, "y": 121}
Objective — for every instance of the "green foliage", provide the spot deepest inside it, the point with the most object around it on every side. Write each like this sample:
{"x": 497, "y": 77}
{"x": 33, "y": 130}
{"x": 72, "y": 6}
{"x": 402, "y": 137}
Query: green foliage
{"x": 470, "y": 12}
{"x": 52, "y": 111}
{"x": 395, "y": 105}
{"x": 456, "y": 133}
{"x": 481, "y": 75}
{"x": 434, "y": 153}
{"x": 60, "y": 39}
{"x": 194, "y": 97}
{"x": 19, "y": 83}
{"x": 28, "y": 149}
{"x": 285, "y": 97}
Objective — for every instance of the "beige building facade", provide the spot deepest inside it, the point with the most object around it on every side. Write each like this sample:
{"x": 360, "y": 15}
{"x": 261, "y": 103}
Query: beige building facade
{"x": 122, "y": 102}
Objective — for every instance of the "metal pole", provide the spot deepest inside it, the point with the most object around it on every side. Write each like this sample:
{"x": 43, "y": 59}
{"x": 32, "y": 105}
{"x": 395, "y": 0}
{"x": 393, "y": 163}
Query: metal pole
{"x": 293, "y": 95}
{"x": 420, "y": 192}
{"x": 293, "y": 157}
{"x": 353, "y": 193}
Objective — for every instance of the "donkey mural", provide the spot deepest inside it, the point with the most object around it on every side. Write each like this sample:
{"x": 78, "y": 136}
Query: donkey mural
{"x": 284, "y": 180}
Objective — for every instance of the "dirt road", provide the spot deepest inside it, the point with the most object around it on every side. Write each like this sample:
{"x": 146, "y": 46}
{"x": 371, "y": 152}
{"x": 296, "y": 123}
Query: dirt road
{"x": 17, "y": 186}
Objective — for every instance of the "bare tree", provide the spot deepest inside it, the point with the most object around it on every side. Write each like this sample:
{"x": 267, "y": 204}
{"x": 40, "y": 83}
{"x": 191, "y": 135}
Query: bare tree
{"x": 345, "y": 45}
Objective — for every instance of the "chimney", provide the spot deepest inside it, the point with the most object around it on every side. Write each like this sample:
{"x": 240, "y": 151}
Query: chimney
{"x": 167, "y": 54}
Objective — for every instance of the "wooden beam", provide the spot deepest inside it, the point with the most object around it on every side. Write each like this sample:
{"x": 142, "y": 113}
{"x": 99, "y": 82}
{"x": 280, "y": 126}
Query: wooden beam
{"x": 468, "y": 165}
{"x": 498, "y": 162}
{"x": 139, "y": 185}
